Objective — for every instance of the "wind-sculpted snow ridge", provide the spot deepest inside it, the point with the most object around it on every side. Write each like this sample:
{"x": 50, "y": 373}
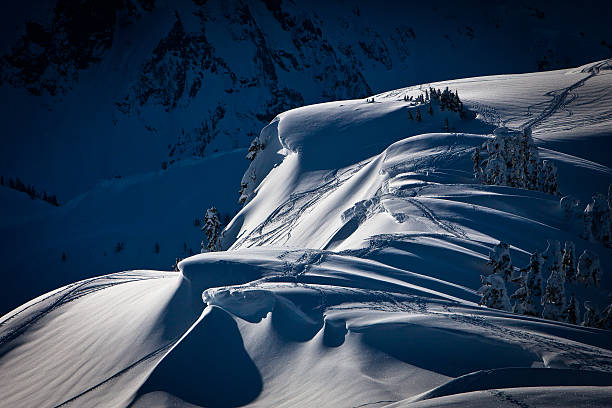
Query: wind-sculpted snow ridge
{"x": 350, "y": 275}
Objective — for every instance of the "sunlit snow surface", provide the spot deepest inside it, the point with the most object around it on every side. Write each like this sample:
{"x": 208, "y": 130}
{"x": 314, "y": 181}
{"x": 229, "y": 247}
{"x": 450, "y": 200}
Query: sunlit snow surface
{"x": 351, "y": 274}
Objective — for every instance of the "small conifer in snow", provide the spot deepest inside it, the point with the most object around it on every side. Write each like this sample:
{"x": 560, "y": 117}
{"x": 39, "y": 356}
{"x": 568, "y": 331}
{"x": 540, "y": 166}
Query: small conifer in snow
{"x": 605, "y": 320}
{"x": 568, "y": 262}
{"x": 500, "y": 261}
{"x": 528, "y": 295}
{"x": 212, "y": 230}
{"x": 589, "y": 270}
{"x": 571, "y": 314}
{"x": 597, "y": 220}
{"x": 493, "y": 292}
{"x": 571, "y": 207}
{"x": 590, "y": 316}
{"x": 254, "y": 148}
{"x": 553, "y": 299}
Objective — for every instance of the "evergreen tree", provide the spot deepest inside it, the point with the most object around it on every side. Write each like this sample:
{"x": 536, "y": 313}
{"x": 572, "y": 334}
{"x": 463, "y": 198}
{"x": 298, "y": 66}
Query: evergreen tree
{"x": 212, "y": 230}
{"x": 530, "y": 289}
{"x": 568, "y": 262}
{"x": 477, "y": 159}
{"x": 175, "y": 266}
{"x": 418, "y": 114}
{"x": 590, "y": 316}
{"x": 605, "y": 320}
{"x": 493, "y": 292}
{"x": 553, "y": 300}
{"x": 500, "y": 261}
{"x": 571, "y": 314}
{"x": 570, "y": 206}
{"x": 598, "y": 220}
{"x": 587, "y": 232}
{"x": 589, "y": 270}
{"x": 410, "y": 115}
{"x": 552, "y": 257}
{"x": 548, "y": 178}
{"x": 495, "y": 169}
{"x": 254, "y": 148}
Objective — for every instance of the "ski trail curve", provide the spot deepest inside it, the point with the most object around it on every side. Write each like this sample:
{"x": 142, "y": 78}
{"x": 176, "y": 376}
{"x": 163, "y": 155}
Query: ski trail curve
{"x": 559, "y": 101}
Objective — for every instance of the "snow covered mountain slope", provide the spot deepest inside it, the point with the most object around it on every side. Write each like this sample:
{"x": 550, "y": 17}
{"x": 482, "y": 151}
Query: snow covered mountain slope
{"x": 351, "y": 273}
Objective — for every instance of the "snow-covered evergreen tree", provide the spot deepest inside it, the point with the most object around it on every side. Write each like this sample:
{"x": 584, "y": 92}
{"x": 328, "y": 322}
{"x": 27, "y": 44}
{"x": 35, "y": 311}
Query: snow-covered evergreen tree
{"x": 493, "y": 292}
{"x": 587, "y": 232}
{"x": 568, "y": 262}
{"x": 571, "y": 207}
{"x": 477, "y": 169}
{"x": 571, "y": 314}
{"x": 548, "y": 178}
{"x": 500, "y": 261}
{"x": 552, "y": 257}
{"x": 589, "y": 270}
{"x": 590, "y": 316}
{"x": 495, "y": 168}
{"x": 254, "y": 148}
{"x": 597, "y": 220}
{"x": 553, "y": 300}
{"x": 212, "y": 230}
{"x": 605, "y": 320}
{"x": 528, "y": 295}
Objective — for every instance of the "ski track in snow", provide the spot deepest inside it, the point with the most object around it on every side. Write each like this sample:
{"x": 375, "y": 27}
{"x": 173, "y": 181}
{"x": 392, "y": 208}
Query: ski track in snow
{"x": 560, "y": 98}
{"x": 453, "y": 230}
{"x": 69, "y": 294}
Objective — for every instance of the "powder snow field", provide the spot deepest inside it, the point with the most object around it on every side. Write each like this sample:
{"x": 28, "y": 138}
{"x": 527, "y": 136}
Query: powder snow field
{"x": 350, "y": 274}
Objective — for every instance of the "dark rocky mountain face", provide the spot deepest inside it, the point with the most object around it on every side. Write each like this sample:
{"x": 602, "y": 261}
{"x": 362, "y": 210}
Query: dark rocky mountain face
{"x": 47, "y": 58}
{"x": 196, "y": 77}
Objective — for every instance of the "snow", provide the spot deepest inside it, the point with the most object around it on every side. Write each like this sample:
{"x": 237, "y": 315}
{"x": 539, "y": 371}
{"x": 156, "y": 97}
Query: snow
{"x": 350, "y": 275}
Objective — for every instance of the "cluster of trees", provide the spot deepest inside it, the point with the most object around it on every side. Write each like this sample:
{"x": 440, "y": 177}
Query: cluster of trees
{"x": 444, "y": 99}
{"x": 542, "y": 285}
{"x": 512, "y": 159}
{"x": 17, "y": 184}
{"x": 596, "y": 218}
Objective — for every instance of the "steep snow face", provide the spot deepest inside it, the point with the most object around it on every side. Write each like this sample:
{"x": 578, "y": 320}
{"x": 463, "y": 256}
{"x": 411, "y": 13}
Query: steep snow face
{"x": 329, "y": 178}
{"x": 350, "y": 276}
